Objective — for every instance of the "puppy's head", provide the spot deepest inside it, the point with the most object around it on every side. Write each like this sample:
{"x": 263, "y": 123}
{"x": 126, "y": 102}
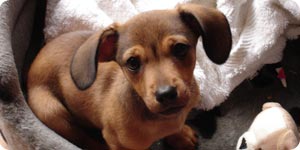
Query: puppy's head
{"x": 157, "y": 53}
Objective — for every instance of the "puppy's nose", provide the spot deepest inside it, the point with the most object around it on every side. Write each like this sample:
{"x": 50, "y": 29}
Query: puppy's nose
{"x": 166, "y": 94}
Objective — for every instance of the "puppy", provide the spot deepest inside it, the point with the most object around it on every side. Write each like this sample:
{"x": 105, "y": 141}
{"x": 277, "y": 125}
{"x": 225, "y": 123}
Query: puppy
{"x": 131, "y": 84}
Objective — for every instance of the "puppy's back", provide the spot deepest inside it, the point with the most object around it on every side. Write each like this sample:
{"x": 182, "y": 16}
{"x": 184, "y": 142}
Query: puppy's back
{"x": 55, "y": 57}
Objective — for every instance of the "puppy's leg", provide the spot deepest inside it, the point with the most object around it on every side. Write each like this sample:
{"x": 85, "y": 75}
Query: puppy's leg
{"x": 52, "y": 113}
{"x": 186, "y": 139}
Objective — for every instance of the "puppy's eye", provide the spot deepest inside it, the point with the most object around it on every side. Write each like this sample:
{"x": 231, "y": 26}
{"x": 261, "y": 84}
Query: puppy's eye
{"x": 133, "y": 64}
{"x": 180, "y": 50}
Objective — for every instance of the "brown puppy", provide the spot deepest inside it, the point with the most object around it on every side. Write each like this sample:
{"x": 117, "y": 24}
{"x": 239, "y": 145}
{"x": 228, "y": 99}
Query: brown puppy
{"x": 132, "y": 82}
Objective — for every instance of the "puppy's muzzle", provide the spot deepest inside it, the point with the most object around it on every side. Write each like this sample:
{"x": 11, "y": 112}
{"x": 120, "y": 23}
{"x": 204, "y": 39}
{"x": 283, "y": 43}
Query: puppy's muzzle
{"x": 166, "y": 94}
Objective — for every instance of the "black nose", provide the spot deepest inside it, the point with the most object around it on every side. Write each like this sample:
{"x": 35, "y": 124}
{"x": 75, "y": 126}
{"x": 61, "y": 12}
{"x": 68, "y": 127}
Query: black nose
{"x": 166, "y": 94}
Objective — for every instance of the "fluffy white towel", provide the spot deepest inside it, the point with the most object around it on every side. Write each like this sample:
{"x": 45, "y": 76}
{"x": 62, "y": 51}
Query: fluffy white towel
{"x": 260, "y": 29}
{"x": 69, "y": 15}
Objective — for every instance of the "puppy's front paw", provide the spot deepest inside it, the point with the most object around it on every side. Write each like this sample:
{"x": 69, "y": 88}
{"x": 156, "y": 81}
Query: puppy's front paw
{"x": 186, "y": 139}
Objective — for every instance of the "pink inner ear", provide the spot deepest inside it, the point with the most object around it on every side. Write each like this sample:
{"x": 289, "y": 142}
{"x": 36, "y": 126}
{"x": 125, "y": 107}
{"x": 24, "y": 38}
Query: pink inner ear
{"x": 107, "y": 48}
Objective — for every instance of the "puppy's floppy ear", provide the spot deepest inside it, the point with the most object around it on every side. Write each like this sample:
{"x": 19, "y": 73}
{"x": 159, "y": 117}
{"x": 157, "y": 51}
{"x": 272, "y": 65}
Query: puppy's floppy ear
{"x": 100, "y": 47}
{"x": 213, "y": 26}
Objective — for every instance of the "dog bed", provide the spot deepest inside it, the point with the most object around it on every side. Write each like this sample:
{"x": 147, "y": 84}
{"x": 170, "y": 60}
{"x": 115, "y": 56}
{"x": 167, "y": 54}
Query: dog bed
{"x": 19, "y": 127}
{"x": 21, "y": 25}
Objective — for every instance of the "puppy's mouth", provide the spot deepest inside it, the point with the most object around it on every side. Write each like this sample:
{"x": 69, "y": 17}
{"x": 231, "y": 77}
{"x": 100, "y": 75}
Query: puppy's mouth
{"x": 172, "y": 110}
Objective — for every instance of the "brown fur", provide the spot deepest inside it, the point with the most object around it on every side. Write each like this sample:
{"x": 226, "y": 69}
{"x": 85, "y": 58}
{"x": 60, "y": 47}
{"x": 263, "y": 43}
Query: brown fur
{"x": 82, "y": 80}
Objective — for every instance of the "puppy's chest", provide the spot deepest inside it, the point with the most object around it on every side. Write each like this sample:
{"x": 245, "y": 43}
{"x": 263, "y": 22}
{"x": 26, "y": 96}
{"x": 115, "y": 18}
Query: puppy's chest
{"x": 145, "y": 133}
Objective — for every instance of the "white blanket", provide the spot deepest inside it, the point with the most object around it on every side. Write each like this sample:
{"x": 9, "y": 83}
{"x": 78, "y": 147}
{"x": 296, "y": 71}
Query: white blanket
{"x": 259, "y": 28}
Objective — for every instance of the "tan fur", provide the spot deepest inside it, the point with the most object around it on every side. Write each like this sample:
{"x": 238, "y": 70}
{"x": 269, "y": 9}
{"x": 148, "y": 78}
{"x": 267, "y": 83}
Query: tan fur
{"x": 119, "y": 103}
